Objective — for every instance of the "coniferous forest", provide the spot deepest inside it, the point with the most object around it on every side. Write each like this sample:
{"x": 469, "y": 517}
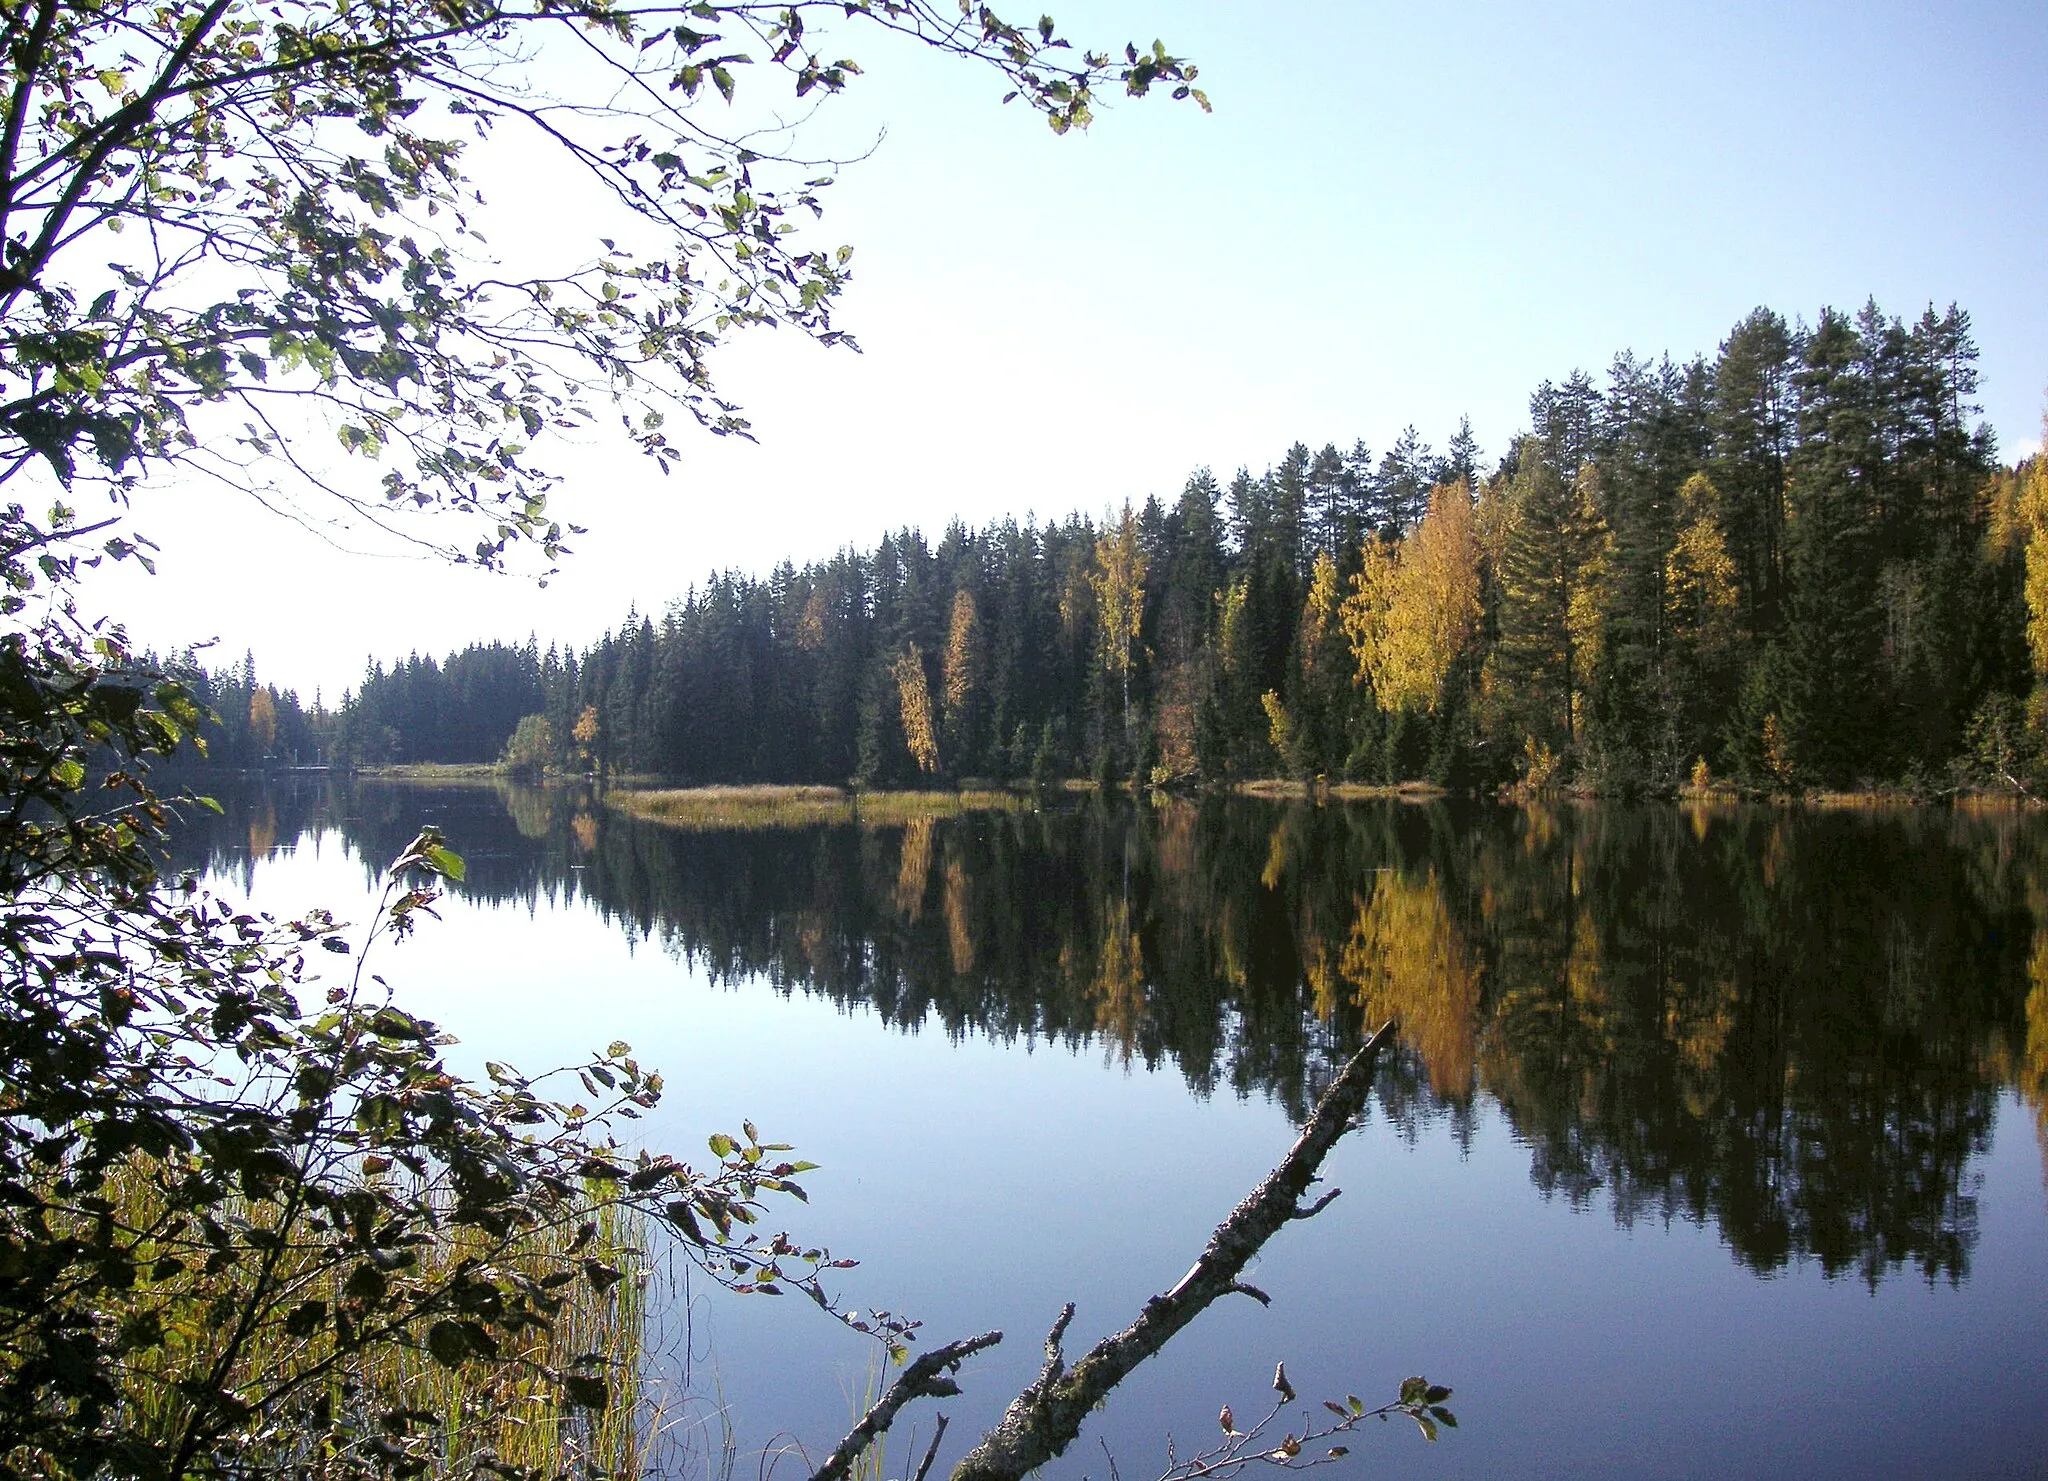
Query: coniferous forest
{"x": 1797, "y": 563}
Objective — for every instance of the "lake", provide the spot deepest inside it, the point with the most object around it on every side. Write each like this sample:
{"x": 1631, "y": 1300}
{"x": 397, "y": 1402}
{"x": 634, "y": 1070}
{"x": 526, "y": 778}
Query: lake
{"x": 1713, "y": 1145}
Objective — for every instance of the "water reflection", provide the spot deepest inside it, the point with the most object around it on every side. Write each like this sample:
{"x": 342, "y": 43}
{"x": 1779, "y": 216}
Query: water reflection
{"x": 1793, "y": 1026}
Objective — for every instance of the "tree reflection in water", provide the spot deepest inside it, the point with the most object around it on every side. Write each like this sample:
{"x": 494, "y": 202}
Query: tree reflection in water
{"x": 1794, "y": 1025}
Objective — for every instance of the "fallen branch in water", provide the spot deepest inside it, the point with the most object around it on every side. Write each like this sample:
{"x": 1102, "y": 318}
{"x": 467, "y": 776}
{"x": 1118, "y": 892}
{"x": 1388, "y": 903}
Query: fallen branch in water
{"x": 1044, "y": 1419}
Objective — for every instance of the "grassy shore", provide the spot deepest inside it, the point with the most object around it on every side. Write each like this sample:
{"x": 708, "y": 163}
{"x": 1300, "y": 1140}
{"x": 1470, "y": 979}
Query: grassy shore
{"x": 436, "y": 771}
{"x": 1278, "y": 789}
{"x": 798, "y": 807}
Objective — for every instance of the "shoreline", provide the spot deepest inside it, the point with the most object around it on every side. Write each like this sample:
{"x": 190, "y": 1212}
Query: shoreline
{"x": 790, "y": 804}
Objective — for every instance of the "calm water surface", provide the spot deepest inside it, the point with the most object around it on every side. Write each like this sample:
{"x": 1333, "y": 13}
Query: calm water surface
{"x": 1713, "y": 1148}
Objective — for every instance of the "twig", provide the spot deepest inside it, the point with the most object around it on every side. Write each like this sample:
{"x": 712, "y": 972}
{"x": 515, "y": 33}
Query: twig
{"x": 931, "y": 1451}
{"x": 927, "y": 1377}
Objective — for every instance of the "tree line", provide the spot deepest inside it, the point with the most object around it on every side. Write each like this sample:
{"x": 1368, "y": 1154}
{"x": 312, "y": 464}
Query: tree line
{"x": 1796, "y": 563}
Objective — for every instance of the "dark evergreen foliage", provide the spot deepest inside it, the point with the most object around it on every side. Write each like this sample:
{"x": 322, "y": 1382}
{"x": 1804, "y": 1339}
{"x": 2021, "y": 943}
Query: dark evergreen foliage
{"x": 1873, "y": 621}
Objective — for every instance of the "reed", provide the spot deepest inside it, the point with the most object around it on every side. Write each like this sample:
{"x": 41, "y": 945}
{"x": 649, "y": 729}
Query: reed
{"x": 504, "y": 1414}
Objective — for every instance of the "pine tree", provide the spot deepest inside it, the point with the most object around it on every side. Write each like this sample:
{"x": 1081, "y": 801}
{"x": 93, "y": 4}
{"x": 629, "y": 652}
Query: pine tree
{"x": 1752, "y": 414}
{"x": 1401, "y": 486}
{"x": 1834, "y": 707}
{"x": 1551, "y": 567}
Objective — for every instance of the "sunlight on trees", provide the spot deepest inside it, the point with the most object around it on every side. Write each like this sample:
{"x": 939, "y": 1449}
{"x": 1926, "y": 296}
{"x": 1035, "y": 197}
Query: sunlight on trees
{"x": 1414, "y": 606}
{"x": 1119, "y": 583}
{"x": 915, "y": 699}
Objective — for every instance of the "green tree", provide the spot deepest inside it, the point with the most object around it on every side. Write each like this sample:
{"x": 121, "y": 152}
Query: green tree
{"x": 1551, "y": 566}
{"x": 531, "y": 751}
{"x": 1834, "y": 703}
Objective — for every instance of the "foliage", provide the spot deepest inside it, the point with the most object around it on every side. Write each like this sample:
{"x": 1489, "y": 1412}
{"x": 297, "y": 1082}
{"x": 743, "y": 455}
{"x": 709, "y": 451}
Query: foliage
{"x": 225, "y": 1212}
{"x": 914, "y": 698}
{"x": 1119, "y": 582}
{"x": 1549, "y": 575}
{"x": 225, "y": 223}
{"x": 531, "y": 751}
{"x": 1414, "y": 607}
{"x": 237, "y": 1227}
{"x": 224, "y": 1209}
{"x": 1306, "y": 1446}
{"x": 1650, "y": 582}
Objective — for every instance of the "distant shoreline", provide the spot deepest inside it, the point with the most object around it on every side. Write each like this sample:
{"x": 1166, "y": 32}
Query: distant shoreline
{"x": 794, "y": 804}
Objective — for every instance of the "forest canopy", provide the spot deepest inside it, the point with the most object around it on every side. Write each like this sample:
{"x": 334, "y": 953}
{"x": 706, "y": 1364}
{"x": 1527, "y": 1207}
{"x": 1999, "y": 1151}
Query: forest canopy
{"x": 1797, "y": 562}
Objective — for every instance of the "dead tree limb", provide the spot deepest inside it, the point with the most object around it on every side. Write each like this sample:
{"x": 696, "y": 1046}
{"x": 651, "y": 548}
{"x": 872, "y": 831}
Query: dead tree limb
{"x": 930, "y": 1377}
{"x": 1044, "y": 1419}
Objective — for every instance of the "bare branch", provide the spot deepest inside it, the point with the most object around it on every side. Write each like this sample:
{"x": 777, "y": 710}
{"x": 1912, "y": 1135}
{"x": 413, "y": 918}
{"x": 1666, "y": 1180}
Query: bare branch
{"x": 1044, "y": 1419}
{"x": 931, "y": 1451}
{"x": 929, "y": 1377}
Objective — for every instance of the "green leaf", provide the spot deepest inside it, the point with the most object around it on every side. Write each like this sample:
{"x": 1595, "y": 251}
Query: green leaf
{"x": 366, "y": 1283}
{"x": 448, "y": 1343}
{"x": 445, "y": 862}
{"x": 723, "y": 1146}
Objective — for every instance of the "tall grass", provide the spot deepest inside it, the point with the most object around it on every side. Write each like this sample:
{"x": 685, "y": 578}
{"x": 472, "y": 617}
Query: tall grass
{"x": 504, "y": 1414}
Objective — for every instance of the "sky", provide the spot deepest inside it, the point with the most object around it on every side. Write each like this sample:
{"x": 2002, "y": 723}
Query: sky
{"x": 1395, "y": 215}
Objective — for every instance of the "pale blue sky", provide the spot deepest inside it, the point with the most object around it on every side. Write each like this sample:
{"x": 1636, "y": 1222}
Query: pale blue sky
{"x": 1396, "y": 214}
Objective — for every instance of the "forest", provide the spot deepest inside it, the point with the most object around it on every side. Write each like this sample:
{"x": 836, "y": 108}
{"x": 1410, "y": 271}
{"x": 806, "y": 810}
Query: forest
{"x": 1797, "y": 564}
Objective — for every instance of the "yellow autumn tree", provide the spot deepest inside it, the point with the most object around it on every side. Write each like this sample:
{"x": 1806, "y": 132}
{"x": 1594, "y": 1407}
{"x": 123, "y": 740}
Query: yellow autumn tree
{"x": 1366, "y": 612}
{"x": 914, "y": 695}
{"x": 1702, "y": 614}
{"x": 1233, "y": 639}
{"x": 1700, "y": 598}
{"x": 263, "y": 720}
{"x": 962, "y": 652}
{"x": 1414, "y": 607}
{"x": 1119, "y": 583}
{"x": 584, "y": 732}
{"x": 1320, "y": 613}
{"x": 2032, "y": 510}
